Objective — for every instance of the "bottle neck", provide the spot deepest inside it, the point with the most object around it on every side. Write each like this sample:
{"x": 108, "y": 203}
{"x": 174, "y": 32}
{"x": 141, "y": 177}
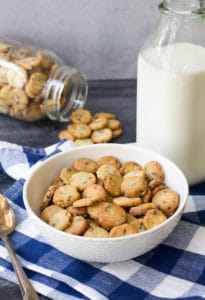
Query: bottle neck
{"x": 183, "y": 6}
{"x": 66, "y": 90}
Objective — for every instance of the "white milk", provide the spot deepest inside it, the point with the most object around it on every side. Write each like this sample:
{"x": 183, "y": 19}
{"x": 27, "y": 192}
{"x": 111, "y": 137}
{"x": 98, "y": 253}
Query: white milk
{"x": 171, "y": 105}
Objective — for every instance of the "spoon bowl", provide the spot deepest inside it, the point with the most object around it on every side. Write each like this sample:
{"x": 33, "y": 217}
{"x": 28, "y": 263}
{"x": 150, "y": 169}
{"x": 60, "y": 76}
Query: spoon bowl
{"x": 7, "y": 226}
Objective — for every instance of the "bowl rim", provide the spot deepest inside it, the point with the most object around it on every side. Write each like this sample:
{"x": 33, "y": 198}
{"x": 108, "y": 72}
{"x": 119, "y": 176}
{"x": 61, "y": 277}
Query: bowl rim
{"x": 38, "y": 166}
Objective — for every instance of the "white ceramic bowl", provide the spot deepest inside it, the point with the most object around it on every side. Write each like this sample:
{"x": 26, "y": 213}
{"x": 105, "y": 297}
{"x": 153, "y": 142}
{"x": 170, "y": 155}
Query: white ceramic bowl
{"x": 101, "y": 249}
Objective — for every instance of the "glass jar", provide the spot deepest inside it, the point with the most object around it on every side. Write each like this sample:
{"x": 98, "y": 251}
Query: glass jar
{"x": 35, "y": 83}
{"x": 171, "y": 87}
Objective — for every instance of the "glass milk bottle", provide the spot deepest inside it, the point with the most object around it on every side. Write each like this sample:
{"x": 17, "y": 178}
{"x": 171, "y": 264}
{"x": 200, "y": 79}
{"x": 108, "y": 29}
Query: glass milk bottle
{"x": 171, "y": 87}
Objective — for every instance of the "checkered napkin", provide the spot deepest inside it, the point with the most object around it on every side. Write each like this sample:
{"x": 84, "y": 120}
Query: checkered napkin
{"x": 173, "y": 270}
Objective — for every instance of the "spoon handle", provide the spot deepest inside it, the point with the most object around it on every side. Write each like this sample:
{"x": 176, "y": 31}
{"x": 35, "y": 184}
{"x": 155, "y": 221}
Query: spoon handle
{"x": 27, "y": 290}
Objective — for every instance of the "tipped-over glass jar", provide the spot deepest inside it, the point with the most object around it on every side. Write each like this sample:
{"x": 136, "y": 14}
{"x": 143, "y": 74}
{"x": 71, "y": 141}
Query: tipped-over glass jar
{"x": 35, "y": 83}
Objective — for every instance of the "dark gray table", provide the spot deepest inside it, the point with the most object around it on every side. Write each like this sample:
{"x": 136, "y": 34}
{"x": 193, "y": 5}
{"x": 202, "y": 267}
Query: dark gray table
{"x": 118, "y": 97}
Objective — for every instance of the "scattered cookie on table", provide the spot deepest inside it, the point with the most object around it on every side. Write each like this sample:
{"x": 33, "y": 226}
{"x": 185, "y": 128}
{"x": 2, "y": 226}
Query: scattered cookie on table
{"x": 108, "y": 198}
{"x": 86, "y": 129}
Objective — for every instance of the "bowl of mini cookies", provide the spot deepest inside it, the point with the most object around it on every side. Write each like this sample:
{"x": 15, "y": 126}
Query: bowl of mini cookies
{"x": 105, "y": 202}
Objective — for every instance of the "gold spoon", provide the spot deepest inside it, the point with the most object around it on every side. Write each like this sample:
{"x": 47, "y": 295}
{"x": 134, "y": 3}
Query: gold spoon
{"x": 7, "y": 225}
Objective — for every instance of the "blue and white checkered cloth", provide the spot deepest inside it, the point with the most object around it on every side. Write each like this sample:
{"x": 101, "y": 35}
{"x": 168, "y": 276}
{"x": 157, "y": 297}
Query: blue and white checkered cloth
{"x": 173, "y": 270}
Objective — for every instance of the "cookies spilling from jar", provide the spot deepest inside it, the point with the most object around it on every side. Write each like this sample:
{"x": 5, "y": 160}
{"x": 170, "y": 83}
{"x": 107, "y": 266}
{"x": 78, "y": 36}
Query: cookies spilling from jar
{"x": 23, "y": 75}
{"x": 86, "y": 129}
{"x": 108, "y": 198}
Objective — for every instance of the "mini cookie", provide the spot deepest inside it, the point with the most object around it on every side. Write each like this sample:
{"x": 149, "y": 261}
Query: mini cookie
{"x": 101, "y": 135}
{"x": 4, "y": 109}
{"x": 65, "y": 195}
{"x": 147, "y": 196}
{"x": 46, "y": 61}
{"x": 105, "y": 170}
{"x": 85, "y": 164}
{"x": 154, "y": 170}
{"x": 57, "y": 182}
{"x": 49, "y": 211}
{"x": 153, "y": 217}
{"x": 79, "y": 131}
{"x": 156, "y": 186}
{"x": 117, "y": 133}
{"x": 81, "y": 116}
{"x": 135, "y": 186}
{"x": 32, "y": 112}
{"x": 93, "y": 210}
{"x": 35, "y": 84}
{"x": 77, "y": 211}
{"x": 66, "y": 174}
{"x": 110, "y": 160}
{"x": 130, "y": 218}
{"x": 95, "y": 191}
{"x": 111, "y": 215}
{"x": 138, "y": 225}
{"x": 78, "y": 225}
{"x": 130, "y": 166}
{"x": 5, "y": 92}
{"x": 29, "y": 62}
{"x": 3, "y": 75}
{"x": 48, "y": 196}
{"x": 19, "y": 98}
{"x": 60, "y": 220}
{"x": 135, "y": 173}
{"x": 82, "y": 179}
{"x": 83, "y": 142}
{"x": 167, "y": 201}
{"x": 122, "y": 230}
{"x": 104, "y": 115}
{"x": 17, "y": 77}
{"x": 96, "y": 232}
{"x": 113, "y": 124}
{"x": 98, "y": 123}
{"x": 84, "y": 202}
{"x": 112, "y": 184}
{"x": 19, "y": 53}
{"x": 127, "y": 202}
{"x": 65, "y": 134}
{"x": 141, "y": 209}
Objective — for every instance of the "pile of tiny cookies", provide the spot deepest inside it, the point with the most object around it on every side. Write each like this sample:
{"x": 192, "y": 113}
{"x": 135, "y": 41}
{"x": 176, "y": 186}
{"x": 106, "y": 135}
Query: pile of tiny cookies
{"x": 23, "y": 74}
{"x": 87, "y": 129}
{"x": 106, "y": 199}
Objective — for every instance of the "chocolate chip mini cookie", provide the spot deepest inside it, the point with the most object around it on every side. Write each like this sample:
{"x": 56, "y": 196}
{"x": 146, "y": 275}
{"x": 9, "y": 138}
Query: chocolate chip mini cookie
{"x": 135, "y": 186}
{"x": 96, "y": 232}
{"x": 79, "y": 131}
{"x": 101, "y": 135}
{"x": 86, "y": 165}
{"x": 122, "y": 230}
{"x": 98, "y": 123}
{"x": 95, "y": 191}
{"x": 154, "y": 170}
{"x": 167, "y": 201}
{"x": 110, "y": 160}
{"x": 140, "y": 210}
{"x": 82, "y": 179}
{"x": 111, "y": 215}
{"x": 104, "y": 170}
{"x": 153, "y": 217}
{"x": 78, "y": 225}
{"x": 130, "y": 166}
{"x": 65, "y": 195}
{"x": 60, "y": 220}
{"x": 81, "y": 116}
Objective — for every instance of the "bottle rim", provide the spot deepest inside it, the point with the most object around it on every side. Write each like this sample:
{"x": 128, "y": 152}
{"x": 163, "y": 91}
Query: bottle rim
{"x": 196, "y": 12}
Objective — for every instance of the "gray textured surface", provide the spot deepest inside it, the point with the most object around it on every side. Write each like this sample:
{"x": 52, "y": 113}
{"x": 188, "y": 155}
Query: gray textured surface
{"x": 113, "y": 96}
{"x": 101, "y": 38}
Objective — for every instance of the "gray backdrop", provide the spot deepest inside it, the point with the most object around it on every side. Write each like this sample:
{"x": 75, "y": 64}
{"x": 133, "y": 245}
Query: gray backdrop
{"x": 100, "y": 37}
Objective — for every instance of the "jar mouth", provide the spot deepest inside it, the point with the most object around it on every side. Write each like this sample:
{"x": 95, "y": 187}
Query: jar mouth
{"x": 66, "y": 90}
{"x": 192, "y": 10}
